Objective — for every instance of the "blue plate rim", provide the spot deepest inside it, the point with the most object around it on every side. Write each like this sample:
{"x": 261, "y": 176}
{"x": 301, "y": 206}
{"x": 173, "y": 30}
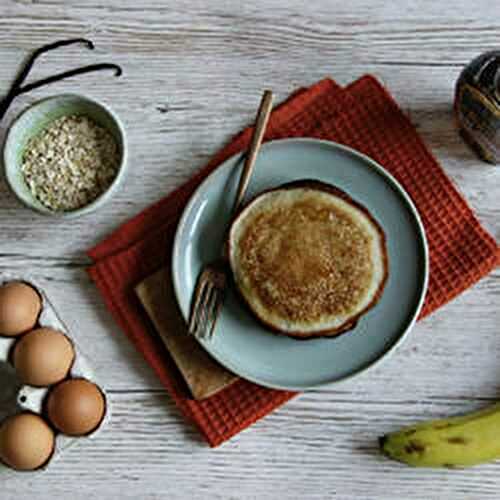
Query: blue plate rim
{"x": 177, "y": 250}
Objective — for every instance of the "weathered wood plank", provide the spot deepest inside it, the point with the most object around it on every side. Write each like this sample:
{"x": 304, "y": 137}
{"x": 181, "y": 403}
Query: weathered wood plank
{"x": 193, "y": 75}
{"x": 361, "y": 30}
{"x": 165, "y": 148}
{"x": 315, "y": 448}
{"x": 454, "y": 353}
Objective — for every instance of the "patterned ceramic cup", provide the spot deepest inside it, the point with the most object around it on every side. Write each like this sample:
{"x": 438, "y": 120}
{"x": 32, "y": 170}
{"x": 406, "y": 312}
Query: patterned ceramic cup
{"x": 477, "y": 105}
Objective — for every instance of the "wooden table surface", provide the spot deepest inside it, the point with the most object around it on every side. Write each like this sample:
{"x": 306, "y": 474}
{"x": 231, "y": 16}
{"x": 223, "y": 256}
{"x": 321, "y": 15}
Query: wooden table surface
{"x": 194, "y": 71}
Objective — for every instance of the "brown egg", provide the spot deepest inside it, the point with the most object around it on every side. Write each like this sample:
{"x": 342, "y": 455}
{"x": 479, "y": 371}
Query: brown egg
{"x": 76, "y": 407}
{"x": 26, "y": 441}
{"x": 20, "y": 306}
{"x": 43, "y": 357}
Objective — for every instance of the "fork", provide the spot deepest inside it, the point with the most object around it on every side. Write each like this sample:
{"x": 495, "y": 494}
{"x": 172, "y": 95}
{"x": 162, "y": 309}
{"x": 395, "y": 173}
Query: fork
{"x": 209, "y": 293}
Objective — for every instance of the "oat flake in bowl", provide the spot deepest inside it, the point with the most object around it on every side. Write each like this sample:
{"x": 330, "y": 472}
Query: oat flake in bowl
{"x": 70, "y": 163}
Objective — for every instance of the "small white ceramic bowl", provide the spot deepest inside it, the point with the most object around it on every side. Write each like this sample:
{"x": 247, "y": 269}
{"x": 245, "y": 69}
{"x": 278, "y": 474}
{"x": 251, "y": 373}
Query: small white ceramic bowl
{"x": 37, "y": 117}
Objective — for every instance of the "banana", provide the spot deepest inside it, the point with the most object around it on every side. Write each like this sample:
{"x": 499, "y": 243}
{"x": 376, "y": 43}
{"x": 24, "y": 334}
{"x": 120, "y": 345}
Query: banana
{"x": 453, "y": 442}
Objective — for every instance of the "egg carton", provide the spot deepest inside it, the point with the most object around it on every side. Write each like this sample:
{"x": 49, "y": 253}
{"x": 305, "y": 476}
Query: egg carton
{"x": 16, "y": 397}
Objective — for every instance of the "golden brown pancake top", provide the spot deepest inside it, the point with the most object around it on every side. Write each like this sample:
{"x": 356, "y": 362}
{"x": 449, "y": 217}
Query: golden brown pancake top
{"x": 306, "y": 260}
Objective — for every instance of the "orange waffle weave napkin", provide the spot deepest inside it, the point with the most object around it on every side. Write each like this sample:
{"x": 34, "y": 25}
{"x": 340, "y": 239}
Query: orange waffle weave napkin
{"x": 363, "y": 116}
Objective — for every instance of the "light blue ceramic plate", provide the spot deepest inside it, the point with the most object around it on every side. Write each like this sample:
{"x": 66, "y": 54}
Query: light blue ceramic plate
{"x": 245, "y": 347}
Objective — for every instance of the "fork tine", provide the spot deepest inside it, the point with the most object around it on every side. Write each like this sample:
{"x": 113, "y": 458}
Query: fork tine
{"x": 200, "y": 291}
{"x": 219, "y": 300}
{"x": 211, "y": 317}
{"x": 207, "y": 311}
{"x": 204, "y": 315}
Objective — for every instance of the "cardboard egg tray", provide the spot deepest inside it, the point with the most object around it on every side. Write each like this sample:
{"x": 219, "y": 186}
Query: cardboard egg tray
{"x": 16, "y": 397}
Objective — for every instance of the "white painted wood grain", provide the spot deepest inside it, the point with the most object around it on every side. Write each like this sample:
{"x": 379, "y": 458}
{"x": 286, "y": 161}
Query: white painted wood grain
{"x": 193, "y": 76}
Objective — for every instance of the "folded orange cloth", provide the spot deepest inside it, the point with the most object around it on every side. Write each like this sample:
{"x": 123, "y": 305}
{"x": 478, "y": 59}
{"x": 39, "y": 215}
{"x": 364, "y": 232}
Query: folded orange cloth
{"x": 363, "y": 116}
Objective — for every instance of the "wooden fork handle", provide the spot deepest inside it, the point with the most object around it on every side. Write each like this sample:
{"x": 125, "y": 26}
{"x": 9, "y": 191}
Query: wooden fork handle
{"x": 258, "y": 134}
